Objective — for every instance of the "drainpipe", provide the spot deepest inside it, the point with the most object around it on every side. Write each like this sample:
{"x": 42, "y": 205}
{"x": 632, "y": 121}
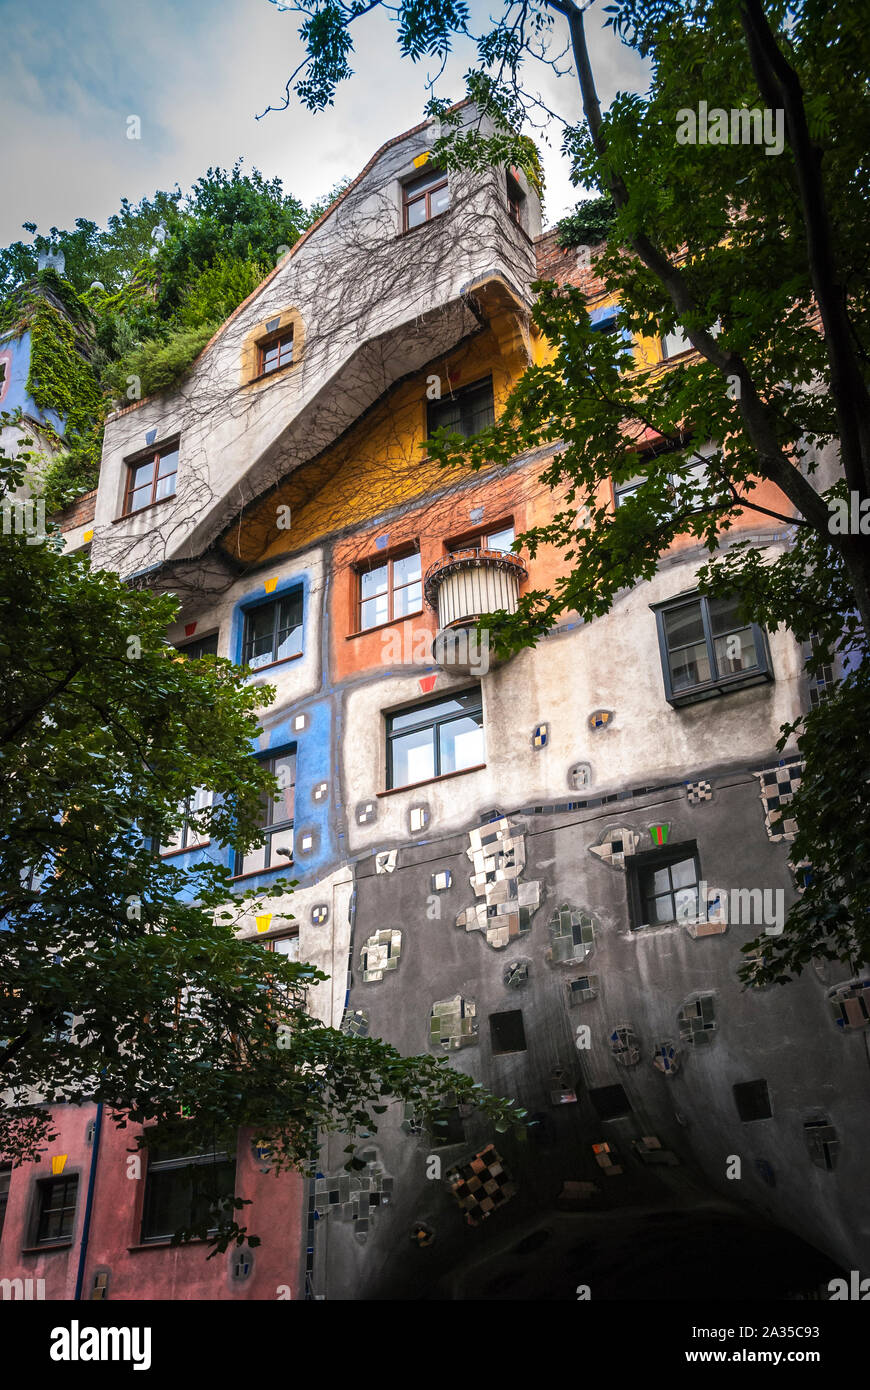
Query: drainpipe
{"x": 86, "y": 1224}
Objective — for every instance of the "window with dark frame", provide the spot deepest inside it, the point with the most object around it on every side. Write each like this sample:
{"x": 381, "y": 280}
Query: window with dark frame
{"x": 675, "y": 343}
{"x": 516, "y": 200}
{"x": 184, "y": 1189}
{"x": 273, "y": 631}
{"x": 389, "y": 589}
{"x": 424, "y": 198}
{"x": 431, "y": 740}
{"x": 276, "y": 819}
{"x": 57, "y": 1209}
{"x": 697, "y": 477}
{"x": 199, "y": 647}
{"x": 707, "y": 649}
{"x": 275, "y": 352}
{"x": 151, "y": 478}
{"x": 501, "y": 537}
{"x": 663, "y": 885}
{"x": 188, "y": 836}
{"x": 466, "y": 411}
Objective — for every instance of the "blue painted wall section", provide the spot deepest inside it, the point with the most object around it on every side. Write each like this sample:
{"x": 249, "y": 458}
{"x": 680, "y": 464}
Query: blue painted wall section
{"x": 15, "y": 395}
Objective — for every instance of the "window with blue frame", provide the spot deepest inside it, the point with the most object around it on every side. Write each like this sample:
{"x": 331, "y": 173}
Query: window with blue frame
{"x": 276, "y": 819}
{"x": 605, "y": 320}
{"x": 708, "y": 650}
{"x": 273, "y": 631}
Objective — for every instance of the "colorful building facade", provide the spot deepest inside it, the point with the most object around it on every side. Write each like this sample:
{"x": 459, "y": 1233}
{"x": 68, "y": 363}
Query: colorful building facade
{"x": 542, "y": 869}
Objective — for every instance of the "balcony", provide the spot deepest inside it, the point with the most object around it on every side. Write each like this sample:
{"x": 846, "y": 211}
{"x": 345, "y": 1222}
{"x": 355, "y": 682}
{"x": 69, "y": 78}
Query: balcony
{"x": 462, "y": 587}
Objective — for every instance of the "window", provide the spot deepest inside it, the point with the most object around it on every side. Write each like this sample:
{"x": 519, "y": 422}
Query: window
{"x": 696, "y": 476}
{"x": 430, "y": 740}
{"x": 501, "y": 538}
{"x": 189, "y": 832}
{"x": 609, "y": 1102}
{"x": 605, "y": 321}
{"x": 507, "y": 1033}
{"x": 183, "y": 1189}
{"x": 275, "y": 352}
{"x": 516, "y": 200}
{"x": 424, "y": 198}
{"x": 276, "y": 818}
{"x": 57, "y": 1209}
{"x": 151, "y": 479}
{"x": 391, "y": 589}
{"x": 200, "y": 646}
{"x": 664, "y": 885}
{"x": 285, "y": 946}
{"x": 5, "y": 1180}
{"x": 467, "y": 411}
{"x": 273, "y": 631}
{"x": 707, "y": 649}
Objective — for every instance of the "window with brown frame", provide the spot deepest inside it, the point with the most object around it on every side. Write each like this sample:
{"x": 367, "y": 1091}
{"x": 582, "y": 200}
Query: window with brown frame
{"x": 424, "y": 198}
{"x": 388, "y": 589}
{"x": 276, "y": 352}
{"x": 151, "y": 479}
{"x": 500, "y": 537}
{"x": 516, "y": 200}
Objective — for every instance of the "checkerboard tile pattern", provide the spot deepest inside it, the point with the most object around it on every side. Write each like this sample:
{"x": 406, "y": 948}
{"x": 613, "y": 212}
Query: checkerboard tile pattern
{"x": 777, "y": 786}
{"x": 696, "y": 792}
{"x": 498, "y": 853}
{"x": 481, "y": 1185}
{"x": 453, "y": 1023}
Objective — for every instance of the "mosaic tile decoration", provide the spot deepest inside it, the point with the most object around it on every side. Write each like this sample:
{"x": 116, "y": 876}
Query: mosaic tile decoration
{"x": 600, "y": 718}
{"x": 354, "y": 1197}
{"x": 777, "y": 786}
{"x": 659, "y": 832}
{"x": 442, "y": 881}
{"x": 697, "y": 1020}
{"x": 579, "y": 776}
{"x": 822, "y": 1143}
{"x": 572, "y": 933}
{"x": 319, "y": 914}
{"x": 850, "y": 1004}
{"x": 320, "y": 791}
{"x": 666, "y": 1058}
{"x": 355, "y": 1022}
{"x": 516, "y": 974}
{"x": 300, "y": 722}
{"x": 650, "y": 1152}
{"x": 607, "y": 1158}
{"x": 583, "y": 989}
{"x": 614, "y": 845}
{"x": 561, "y": 1092}
{"x": 366, "y": 812}
{"x": 380, "y": 953}
{"x": 624, "y": 1045}
{"x": 696, "y": 792}
{"x": 385, "y": 862}
{"x": 540, "y": 735}
{"x": 422, "y": 1234}
{"x": 453, "y": 1023}
{"x": 418, "y": 818}
{"x": 498, "y": 854}
{"x": 412, "y": 1122}
{"x": 481, "y": 1185}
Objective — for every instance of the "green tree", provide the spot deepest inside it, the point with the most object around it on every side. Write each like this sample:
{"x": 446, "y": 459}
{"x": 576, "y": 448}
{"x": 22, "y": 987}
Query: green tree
{"x": 123, "y": 979}
{"x": 758, "y": 251}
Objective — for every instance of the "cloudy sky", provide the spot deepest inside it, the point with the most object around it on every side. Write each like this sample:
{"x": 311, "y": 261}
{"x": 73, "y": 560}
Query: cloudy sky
{"x": 197, "y": 73}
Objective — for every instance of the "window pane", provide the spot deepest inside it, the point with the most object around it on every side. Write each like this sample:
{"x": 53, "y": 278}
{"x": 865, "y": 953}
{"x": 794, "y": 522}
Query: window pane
{"x": 416, "y": 212}
{"x": 282, "y": 839}
{"x": 689, "y": 667}
{"x": 685, "y": 903}
{"x": 140, "y": 498}
{"x": 658, "y": 882}
{"x": 287, "y": 946}
{"x": 440, "y": 200}
{"x": 374, "y": 611}
{"x": 461, "y": 743}
{"x": 662, "y": 909}
{"x": 284, "y": 769}
{"x": 674, "y": 343}
{"x": 683, "y": 873}
{"x": 500, "y": 540}
{"x": 143, "y": 474}
{"x": 373, "y": 582}
{"x": 165, "y": 487}
{"x": 724, "y": 615}
{"x": 167, "y": 463}
{"x": 289, "y": 643}
{"x": 408, "y": 600}
{"x": 413, "y": 758}
{"x": 736, "y": 652}
{"x": 684, "y": 625}
{"x": 469, "y": 700}
{"x": 423, "y": 181}
{"x": 252, "y": 862}
{"x": 406, "y": 569}
{"x": 270, "y": 358}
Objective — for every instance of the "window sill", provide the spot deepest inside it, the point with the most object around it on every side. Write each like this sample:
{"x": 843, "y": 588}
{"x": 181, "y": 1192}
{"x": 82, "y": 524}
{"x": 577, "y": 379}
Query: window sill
{"x": 379, "y": 627}
{"x": 445, "y": 777}
{"x": 272, "y": 869}
{"x": 269, "y": 376}
{"x": 186, "y": 849}
{"x": 282, "y": 661}
{"x": 408, "y": 231}
{"x": 161, "y": 502}
{"x": 49, "y": 1245}
{"x": 697, "y": 694}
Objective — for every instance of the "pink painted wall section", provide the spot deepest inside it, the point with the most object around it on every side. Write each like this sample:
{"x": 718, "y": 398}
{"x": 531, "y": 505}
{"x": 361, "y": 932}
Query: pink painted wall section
{"x": 153, "y": 1271}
